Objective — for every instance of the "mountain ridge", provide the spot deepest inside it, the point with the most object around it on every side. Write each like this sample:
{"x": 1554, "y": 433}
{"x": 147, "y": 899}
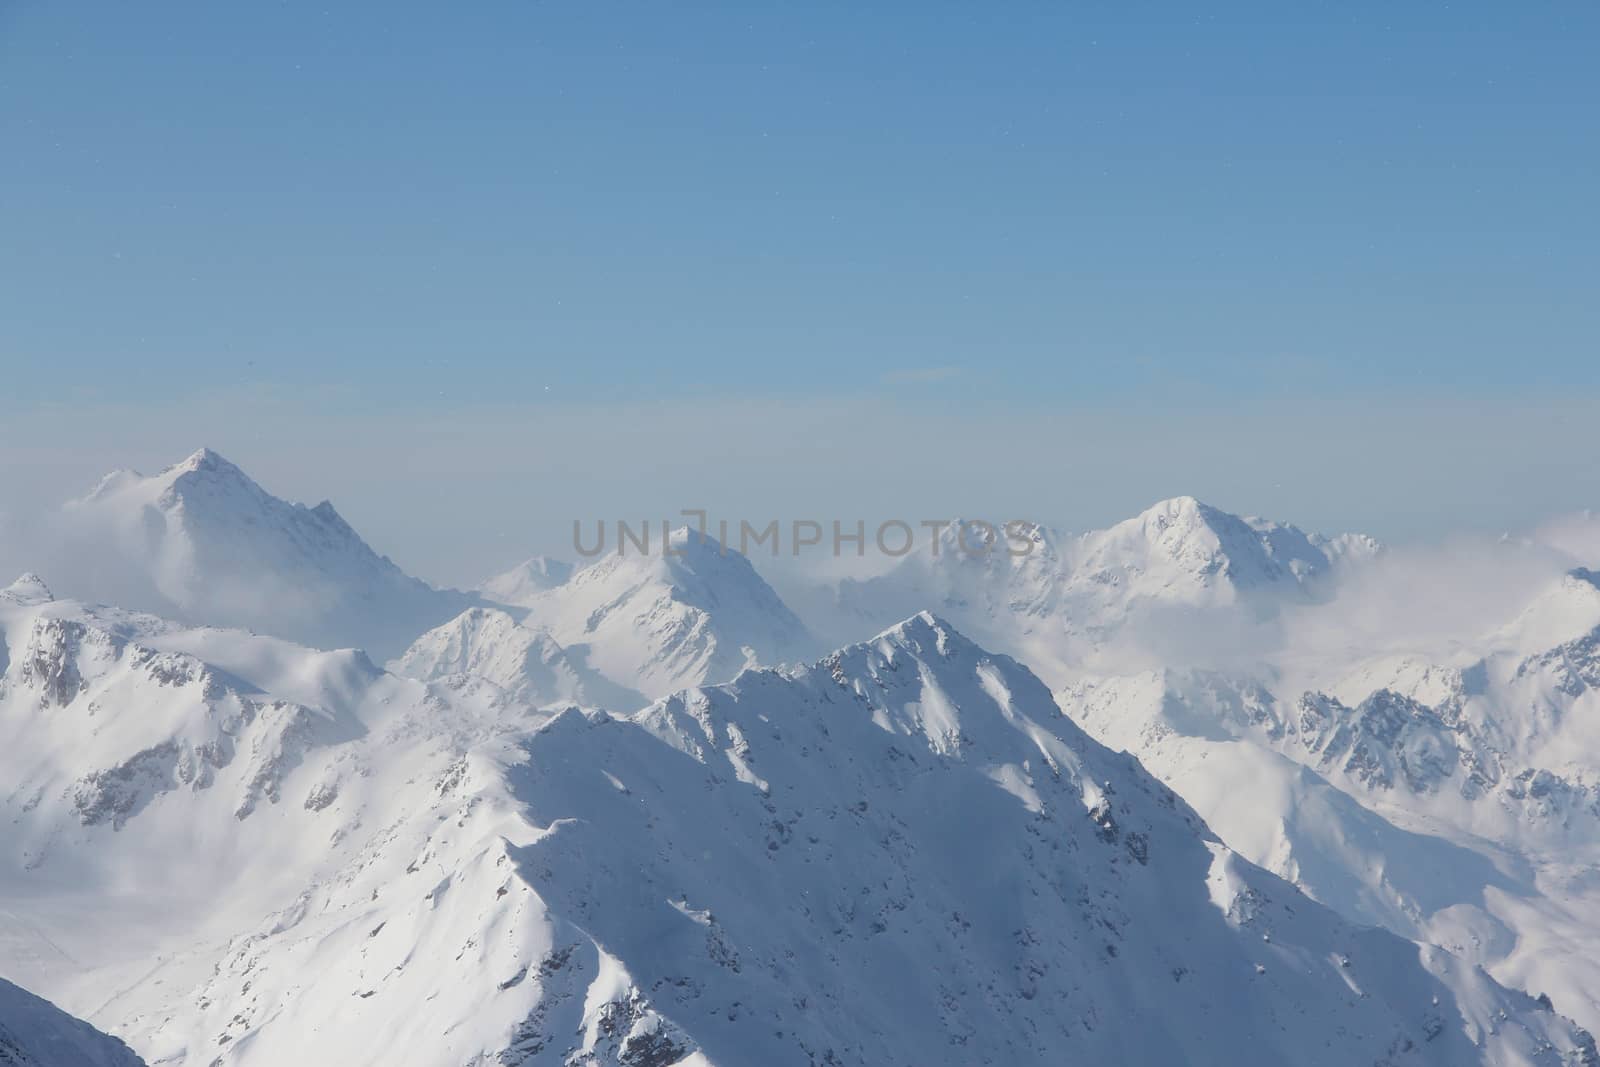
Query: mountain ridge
{"x": 777, "y": 868}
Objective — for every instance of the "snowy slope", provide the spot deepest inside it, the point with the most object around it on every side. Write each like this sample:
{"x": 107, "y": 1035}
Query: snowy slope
{"x": 660, "y": 621}
{"x": 526, "y": 580}
{"x": 1452, "y": 802}
{"x": 35, "y": 1033}
{"x": 166, "y": 788}
{"x": 902, "y": 854}
{"x": 1502, "y": 739}
{"x": 204, "y": 542}
{"x": 525, "y": 661}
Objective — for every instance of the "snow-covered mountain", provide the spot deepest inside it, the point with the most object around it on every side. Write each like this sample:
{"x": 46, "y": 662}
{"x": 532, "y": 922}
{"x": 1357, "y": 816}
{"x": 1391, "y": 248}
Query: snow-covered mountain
{"x": 169, "y": 790}
{"x": 1184, "y": 551}
{"x": 690, "y": 612}
{"x": 525, "y": 661}
{"x": 1455, "y": 802}
{"x": 1059, "y": 601}
{"x": 1512, "y": 718}
{"x": 1502, "y": 740}
{"x": 233, "y": 850}
{"x": 950, "y": 853}
{"x": 203, "y": 542}
{"x": 36, "y": 1033}
{"x": 526, "y": 580}
{"x": 230, "y": 848}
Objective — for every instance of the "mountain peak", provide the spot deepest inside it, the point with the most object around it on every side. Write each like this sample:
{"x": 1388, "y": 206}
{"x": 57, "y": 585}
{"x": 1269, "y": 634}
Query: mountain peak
{"x": 204, "y": 459}
{"x": 920, "y": 631}
{"x": 1199, "y": 542}
{"x": 1567, "y": 610}
{"x": 1179, "y": 505}
{"x": 688, "y": 543}
{"x": 1186, "y": 513}
{"x": 330, "y": 518}
{"x": 526, "y": 662}
{"x": 205, "y": 542}
{"x": 28, "y": 589}
{"x": 206, "y": 467}
{"x": 660, "y": 617}
{"x": 688, "y": 560}
{"x": 526, "y": 580}
{"x": 110, "y": 485}
{"x": 204, "y": 479}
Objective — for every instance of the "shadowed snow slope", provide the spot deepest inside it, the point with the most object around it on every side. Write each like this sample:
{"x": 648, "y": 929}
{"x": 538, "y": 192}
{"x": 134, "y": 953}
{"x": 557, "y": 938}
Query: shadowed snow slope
{"x": 203, "y": 542}
{"x": 35, "y": 1033}
{"x": 905, "y": 855}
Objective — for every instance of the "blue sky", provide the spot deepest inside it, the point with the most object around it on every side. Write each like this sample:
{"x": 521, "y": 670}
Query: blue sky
{"x": 1057, "y": 259}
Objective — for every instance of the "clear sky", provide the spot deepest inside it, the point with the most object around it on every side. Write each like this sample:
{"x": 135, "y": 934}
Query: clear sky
{"x": 474, "y": 270}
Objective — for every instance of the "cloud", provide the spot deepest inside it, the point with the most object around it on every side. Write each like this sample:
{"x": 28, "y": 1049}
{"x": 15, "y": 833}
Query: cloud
{"x": 1577, "y": 535}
